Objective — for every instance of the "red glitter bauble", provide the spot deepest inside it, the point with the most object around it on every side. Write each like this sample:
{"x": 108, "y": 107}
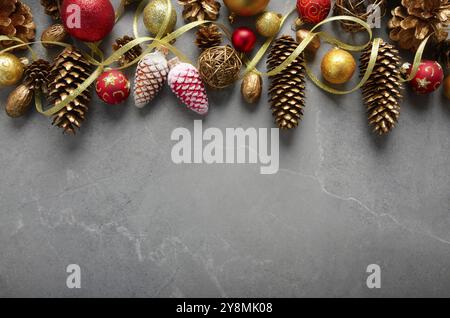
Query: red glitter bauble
{"x": 113, "y": 87}
{"x": 244, "y": 39}
{"x": 313, "y": 11}
{"x": 88, "y": 20}
{"x": 428, "y": 78}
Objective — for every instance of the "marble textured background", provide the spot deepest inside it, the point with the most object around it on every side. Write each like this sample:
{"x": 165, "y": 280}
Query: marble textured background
{"x": 111, "y": 200}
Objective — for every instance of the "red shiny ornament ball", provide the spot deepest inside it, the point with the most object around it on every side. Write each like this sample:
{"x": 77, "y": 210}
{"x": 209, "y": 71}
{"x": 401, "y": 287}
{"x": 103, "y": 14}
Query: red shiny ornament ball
{"x": 244, "y": 39}
{"x": 313, "y": 11}
{"x": 88, "y": 20}
{"x": 428, "y": 78}
{"x": 113, "y": 87}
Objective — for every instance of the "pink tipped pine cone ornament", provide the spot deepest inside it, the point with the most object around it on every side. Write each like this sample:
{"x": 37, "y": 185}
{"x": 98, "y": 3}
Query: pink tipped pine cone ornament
{"x": 185, "y": 81}
{"x": 151, "y": 73}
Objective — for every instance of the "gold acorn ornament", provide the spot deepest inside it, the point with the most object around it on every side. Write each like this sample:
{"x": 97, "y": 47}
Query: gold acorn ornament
{"x": 251, "y": 87}
{"x": 154, "y": 15}
{"x": 268, "y": 24}
{"x": 19, "y": 101}
{"x": 313, "y": 46}
{"x": 54, "y": 33}
{"x": 11, "y": 69}
{"x": 338, "y": 66}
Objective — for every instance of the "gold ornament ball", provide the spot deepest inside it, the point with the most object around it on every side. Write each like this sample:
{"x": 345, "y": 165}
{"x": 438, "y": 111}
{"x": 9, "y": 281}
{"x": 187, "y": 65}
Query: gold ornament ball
{"x": 11, "y": 69}
{"x": 338, "y": 66}
{"x": 268, "y": 24}
{"x": 154, "y": 15}
{"x": 246, "y": 8}
{"x": 447, "y": 86}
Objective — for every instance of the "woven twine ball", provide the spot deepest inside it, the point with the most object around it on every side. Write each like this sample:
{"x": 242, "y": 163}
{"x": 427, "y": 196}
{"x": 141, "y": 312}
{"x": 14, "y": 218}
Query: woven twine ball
{"x": 219, "y": 66}
{"x": 357, "y": 9}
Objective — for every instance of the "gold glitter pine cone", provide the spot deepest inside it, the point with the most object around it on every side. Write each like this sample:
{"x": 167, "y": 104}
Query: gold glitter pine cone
{"x": 129, "y": 56}
{"x": 36, "y": 75}
{"x": 382, "y": 92}
{"x": 67, "y": 73}
{"x": 287, "y": 89}
{"x": 199, "y": 10}
{"x": 16, "y": 20}
{"x": 414, "y": 20}
{"x": 208, "y": 36}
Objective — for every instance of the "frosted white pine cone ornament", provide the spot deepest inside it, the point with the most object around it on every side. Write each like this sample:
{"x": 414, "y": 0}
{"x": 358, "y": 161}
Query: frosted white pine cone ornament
{"x": 185, "y": 81}
{"x": 151, "y": 73}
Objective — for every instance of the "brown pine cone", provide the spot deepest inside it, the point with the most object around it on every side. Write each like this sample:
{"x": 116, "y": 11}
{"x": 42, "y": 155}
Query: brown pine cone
{"x": 414, "y": 20}
{"x": 382, "y": 91}
{"x": 208, "y": 36}
{"x": 36, "y": 75}
{"x": 200, "y": 10}
{"x": 129, "y": 56}
{"x": 67, "y": 73}
{"x": 51, "y": 8}
{"x": 16, "y": 20}
{"x": 287, "y": 88}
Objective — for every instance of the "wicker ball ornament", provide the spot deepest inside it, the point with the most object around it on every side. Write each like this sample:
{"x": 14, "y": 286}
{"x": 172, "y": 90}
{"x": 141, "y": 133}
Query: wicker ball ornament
{"x": 358, "y": 9}
{"x": 219, "y": 66}
{"x": 313, "y": 11}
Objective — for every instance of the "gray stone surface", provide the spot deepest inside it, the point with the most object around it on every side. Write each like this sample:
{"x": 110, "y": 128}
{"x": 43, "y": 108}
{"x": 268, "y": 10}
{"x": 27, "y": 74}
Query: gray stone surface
{"x": 112, "y": 201}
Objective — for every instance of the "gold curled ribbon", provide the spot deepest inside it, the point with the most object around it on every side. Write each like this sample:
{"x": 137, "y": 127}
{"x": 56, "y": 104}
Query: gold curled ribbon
{"x": 22, "y": 44}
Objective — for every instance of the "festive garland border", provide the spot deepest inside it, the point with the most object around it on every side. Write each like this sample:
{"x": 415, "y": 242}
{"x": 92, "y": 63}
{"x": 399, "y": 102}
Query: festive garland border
{"x": 251, "y": 65}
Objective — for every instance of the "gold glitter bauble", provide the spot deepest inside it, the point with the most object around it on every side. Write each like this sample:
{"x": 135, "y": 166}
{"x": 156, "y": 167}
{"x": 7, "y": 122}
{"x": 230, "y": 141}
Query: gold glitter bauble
{"x": 338, "y": 66}
{"x": 268, "y": 24}
{"x": 11, "y": 69}
{"x": 154, "y": 15}
{"x": 246, "y": 8}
